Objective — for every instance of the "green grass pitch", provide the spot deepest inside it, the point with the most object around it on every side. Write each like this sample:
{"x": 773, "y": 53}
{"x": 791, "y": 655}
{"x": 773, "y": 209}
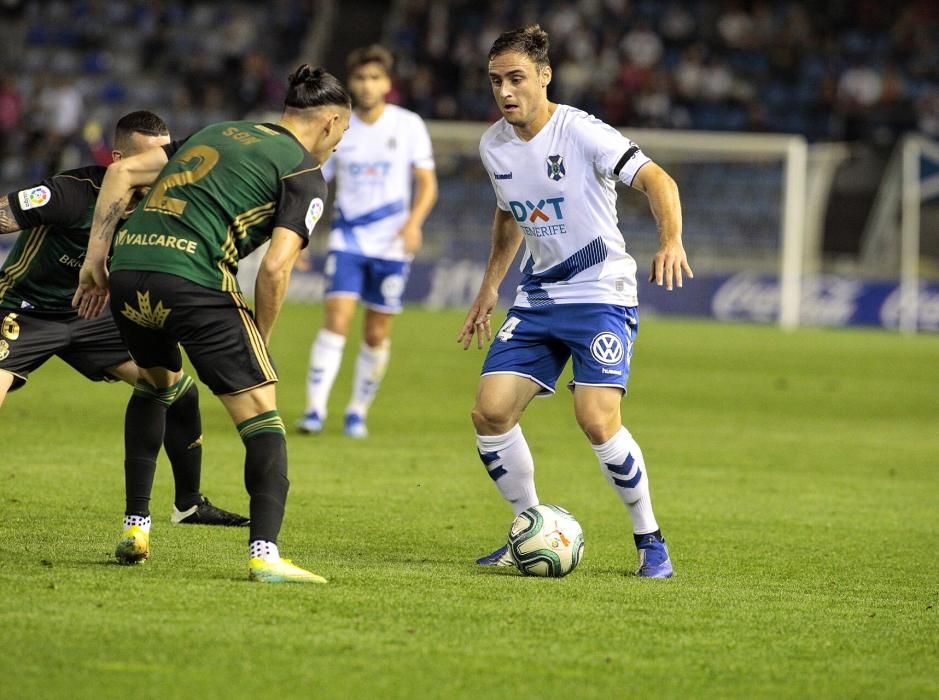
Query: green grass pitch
{"x": 795, "y": 476}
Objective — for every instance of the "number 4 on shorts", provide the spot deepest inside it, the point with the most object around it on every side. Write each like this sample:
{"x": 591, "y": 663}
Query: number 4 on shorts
{"x": 505, "y": 333}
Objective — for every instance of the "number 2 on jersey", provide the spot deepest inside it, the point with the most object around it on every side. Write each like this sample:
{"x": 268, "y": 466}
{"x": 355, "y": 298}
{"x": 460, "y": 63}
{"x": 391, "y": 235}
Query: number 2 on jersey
{"x": 159, "y": 201}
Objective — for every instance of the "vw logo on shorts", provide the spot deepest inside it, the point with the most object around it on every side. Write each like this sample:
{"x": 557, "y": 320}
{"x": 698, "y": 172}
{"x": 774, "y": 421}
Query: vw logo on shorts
{"x": 607, "y": 349}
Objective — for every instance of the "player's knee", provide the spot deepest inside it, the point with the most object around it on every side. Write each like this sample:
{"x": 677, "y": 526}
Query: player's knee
{"x": 339, "y": 326}
{"x": 126, "y": 372}
{"x": 491, "y": 420}
{"x": 598, "y": 428}
{"x": 375, "y": 338}
{"x": 160, "y": 377}
{"x": 338, "y": 318}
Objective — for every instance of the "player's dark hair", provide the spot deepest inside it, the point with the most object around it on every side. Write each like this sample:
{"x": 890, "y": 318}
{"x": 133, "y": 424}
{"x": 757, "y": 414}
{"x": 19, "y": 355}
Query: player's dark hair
{"x": 375, "y": 53}
{"x": 139, "y": 122}
{"x": 310, "y": 86}
{"x": 532, "y": 41}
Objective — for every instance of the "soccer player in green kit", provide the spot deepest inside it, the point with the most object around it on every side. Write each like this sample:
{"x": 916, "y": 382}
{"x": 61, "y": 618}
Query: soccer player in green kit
{"x": 37, "y": 320}
{"x": 172, "y": 282}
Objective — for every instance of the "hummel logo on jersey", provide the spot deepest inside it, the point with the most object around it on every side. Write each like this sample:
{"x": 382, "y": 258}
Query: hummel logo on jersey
{"x": 503, "y": 176}
{"x": 556, "y": 167}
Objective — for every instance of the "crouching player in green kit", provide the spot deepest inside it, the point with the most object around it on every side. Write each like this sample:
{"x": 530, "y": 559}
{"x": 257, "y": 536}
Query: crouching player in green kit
{"x": 37, "y": 321}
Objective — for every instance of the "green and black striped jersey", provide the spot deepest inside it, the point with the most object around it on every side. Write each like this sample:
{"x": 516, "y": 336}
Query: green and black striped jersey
{"x": 40, "y": 273}
{"x": 223, "y": 192}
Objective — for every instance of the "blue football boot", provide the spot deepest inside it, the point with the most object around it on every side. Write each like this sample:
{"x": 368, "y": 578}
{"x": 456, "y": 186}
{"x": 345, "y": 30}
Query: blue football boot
{"x": 654, "y": 561}
{"x": 355, "y": 426}
{"x": 311, "y": 423}
{"x": 500, "y": 557}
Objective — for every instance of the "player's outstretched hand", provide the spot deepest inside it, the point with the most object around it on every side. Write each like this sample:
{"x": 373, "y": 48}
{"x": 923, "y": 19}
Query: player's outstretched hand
{"x": 668, "y": 265}
{"x": 478, "y": 321}
{"x": 92, "y": 294}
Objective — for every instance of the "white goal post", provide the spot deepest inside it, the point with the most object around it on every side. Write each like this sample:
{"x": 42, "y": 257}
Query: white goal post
{"x": 914, "y": 191}
{"x": 901, "y": 232}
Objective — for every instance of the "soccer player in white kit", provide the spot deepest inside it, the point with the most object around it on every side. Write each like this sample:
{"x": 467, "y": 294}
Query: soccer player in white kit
{"x": 553, "y": 169}
{"x": 376, "y": 231}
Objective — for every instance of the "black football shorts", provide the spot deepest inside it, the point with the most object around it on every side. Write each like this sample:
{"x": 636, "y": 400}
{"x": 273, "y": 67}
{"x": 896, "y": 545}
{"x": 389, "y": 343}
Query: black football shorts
{"x": 29, "y": 340}
{"x": 157, "y": 312}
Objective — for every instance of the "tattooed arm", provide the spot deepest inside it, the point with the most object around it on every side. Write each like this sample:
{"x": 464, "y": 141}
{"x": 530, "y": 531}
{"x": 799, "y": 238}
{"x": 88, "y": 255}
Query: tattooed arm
{"x": 117, "y": 188}
{"x": 7, "y": 221}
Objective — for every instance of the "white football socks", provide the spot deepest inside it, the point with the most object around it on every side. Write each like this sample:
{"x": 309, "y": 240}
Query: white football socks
{"x": 141, "y": 521}
{"x": 262, "y": 549}
{"x": 370, "y": 366}
{"x": 510, "y": 465}
{"x": 325, "y": 358}
{"x": 625, "y": 470}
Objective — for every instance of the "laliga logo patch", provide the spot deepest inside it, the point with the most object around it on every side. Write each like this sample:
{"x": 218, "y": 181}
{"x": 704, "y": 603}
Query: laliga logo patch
{"x": 392, "y": 287}
{"x": 556, "y": 167}
{"x": 4, "y": 349}
{"x": 607, "y": 349}
{"x": 314, "y": 213}
{"x": 34, "y": 198}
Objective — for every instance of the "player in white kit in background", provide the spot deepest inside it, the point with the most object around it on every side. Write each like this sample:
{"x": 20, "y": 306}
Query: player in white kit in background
{"x": 375, "y": 232}
{"x": 553, "y": 169}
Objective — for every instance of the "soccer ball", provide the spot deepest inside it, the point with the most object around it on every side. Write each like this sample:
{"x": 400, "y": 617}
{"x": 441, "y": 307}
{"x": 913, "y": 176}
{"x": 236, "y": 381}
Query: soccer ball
{"x": 546, "y": 540}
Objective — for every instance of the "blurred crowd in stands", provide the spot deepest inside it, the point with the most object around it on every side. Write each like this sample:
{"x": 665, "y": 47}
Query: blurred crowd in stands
{"x": 842, "y": 70}
{"x": 69, "y": 69}
{"x": 836, "y": 69}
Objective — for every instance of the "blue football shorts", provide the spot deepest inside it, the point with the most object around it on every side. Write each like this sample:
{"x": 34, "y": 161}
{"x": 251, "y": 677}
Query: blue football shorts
{"x": 378, "y": 283}
{"x": 537, "y": 343}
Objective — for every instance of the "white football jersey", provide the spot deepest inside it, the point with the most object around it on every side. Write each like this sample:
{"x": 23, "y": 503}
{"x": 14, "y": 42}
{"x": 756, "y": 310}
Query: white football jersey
{"x": 372, "y": 171}
{"x": 560, "y": 188}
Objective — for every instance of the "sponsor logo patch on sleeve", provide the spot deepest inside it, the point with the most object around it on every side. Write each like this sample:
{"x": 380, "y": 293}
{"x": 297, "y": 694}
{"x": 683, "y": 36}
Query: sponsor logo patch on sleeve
{"x": 313, "y": 214}
{"x": 35, "y": 197}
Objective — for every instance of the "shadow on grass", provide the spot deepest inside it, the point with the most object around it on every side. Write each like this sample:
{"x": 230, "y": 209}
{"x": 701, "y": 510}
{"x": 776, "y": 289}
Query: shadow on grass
{"x": 497, "y": 571}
